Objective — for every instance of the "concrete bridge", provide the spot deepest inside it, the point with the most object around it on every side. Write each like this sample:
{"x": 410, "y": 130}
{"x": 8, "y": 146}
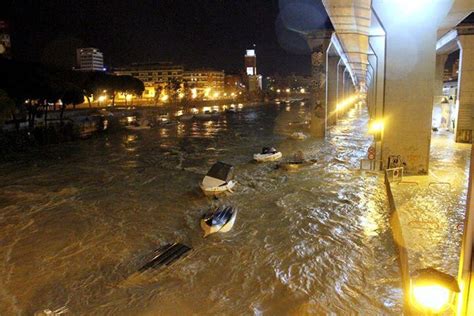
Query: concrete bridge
{"x": 391, "y": 55}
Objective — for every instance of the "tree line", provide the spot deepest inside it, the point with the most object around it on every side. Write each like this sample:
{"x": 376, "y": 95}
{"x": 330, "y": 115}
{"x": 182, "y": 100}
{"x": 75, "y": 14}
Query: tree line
{"x": 29, "y": 88}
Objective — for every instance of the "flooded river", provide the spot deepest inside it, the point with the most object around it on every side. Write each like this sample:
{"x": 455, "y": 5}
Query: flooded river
{"x": 77, "y": 220}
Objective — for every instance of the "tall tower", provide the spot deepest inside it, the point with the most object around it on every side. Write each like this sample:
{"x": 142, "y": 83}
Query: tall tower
{"x": 5, "y": 44}
{"x": 250, "y": 62}
{"x": 254, "y": 80}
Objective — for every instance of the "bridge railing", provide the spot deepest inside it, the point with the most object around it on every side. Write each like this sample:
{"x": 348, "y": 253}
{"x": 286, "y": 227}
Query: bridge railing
{"x": 397, "y": 235}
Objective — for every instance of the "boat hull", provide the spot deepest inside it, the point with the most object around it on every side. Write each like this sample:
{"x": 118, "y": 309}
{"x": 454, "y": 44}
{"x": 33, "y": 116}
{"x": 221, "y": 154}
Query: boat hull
{"x": 208, "y": 230}
{"x": 219, "y": 189}
{"x": 267, "y": 157}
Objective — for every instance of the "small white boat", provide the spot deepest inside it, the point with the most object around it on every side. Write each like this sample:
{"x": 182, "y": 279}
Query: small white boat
{"x": 267, "y": 154}
{"x": 220, "y": 221}
{"x": 298, "y": 136}
{"x": 218, "y": 180}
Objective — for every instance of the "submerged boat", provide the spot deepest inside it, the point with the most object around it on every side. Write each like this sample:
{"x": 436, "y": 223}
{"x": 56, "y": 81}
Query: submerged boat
{"x": 297, "y": 162}
{"x": 267, "y": 154}
{"x": 165, "y": 255}
{"x": 220, "y": 221}
{"x": 219, "y": 179}
{"x": 298, "y": 136}
{"x": 296, "y": 165}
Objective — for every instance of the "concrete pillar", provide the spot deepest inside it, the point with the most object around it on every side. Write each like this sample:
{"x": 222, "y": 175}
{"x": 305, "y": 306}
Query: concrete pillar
{"x": 319, "y": 42}
{"x": 346, "y": 81}
{"x": 332, "y": 63}
{"x": 409, "y": 78}
{"x": 340, "y": 84}
{"x": 371, "y": 91}
{"x": 377, "y": 43}
{"x": 464, "y": 124}
{"x": 438, "y": 108}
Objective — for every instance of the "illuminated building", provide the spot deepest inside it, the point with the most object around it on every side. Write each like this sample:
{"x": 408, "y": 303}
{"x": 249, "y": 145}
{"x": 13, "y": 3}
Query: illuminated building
{"x": 89, "y": 59}
{"x": 154, "y": 75}
{"x": 5, "y": 44}
{"x": 233, "y": 83}
{"x": 202, "y": 79}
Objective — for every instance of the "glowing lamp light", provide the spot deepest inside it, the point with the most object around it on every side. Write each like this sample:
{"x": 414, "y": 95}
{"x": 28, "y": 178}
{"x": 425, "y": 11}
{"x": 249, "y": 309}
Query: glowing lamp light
{"x": 128, "y": 97}
{"x": 278, "y": 90}
{"x": 164, "y": 98}
{"x": 302, "y": 90}
{"x": 346, "y": 103}
{"x": 432, "y": 291}
{"x": 287, "y": 90}
{"x": 101, "y": 98}
{"x": 376, "y": 127}
{"x": 181, "y": 95}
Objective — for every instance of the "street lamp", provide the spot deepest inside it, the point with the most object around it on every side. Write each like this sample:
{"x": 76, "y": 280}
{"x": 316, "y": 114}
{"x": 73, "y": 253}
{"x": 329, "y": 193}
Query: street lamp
{"x": 376, "y": 129}
{"x": 432, "y": 291}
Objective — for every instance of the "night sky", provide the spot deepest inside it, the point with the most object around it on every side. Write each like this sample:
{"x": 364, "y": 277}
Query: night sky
{"x": 197, "y": 33}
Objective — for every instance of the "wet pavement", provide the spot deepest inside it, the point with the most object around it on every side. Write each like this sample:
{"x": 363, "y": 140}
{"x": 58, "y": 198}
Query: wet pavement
{"x": 432, "y": 208}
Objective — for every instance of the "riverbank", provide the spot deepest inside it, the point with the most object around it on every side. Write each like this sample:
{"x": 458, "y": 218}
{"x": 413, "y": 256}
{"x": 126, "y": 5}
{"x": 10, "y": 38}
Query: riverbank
{"x": 83, "y": 123}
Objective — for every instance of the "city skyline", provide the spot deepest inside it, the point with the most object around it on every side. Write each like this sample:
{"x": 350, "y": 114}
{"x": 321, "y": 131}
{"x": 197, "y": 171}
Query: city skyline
{"x": 166, "y": 31}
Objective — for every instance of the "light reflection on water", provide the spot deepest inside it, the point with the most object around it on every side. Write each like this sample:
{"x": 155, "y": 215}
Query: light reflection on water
{"x": 79, "y": 221}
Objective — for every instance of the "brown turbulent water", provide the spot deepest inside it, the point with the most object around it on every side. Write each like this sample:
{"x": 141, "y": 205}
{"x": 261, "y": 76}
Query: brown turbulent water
{"x": 77, "y": 220}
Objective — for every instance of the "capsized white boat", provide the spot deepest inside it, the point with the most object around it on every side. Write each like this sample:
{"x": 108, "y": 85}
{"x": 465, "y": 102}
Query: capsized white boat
{"x": 219, "y": 179}
{"x": 298, "y": 136}
{"x": 267, "y": 154}
{"x": 220, "y": 221}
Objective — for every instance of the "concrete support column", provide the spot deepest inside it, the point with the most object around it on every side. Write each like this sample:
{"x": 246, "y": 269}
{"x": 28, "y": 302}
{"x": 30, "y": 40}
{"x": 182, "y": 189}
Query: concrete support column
{"x": 465, "y": 122}
{"x": 332, "y": 63}
{"x": 438, "y": 109}
{"x": 409, "y": 78}
{"x": 340, "y": 84}
{"x": 319, "y": 42}
{"x": 371, "y": 91}
{"x": 377, "y": 43}
{"x": 347, "y": 82}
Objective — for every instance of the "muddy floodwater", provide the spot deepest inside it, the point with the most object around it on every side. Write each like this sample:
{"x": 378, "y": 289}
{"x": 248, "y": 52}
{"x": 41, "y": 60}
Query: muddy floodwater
{"x": 77, "y": 220}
